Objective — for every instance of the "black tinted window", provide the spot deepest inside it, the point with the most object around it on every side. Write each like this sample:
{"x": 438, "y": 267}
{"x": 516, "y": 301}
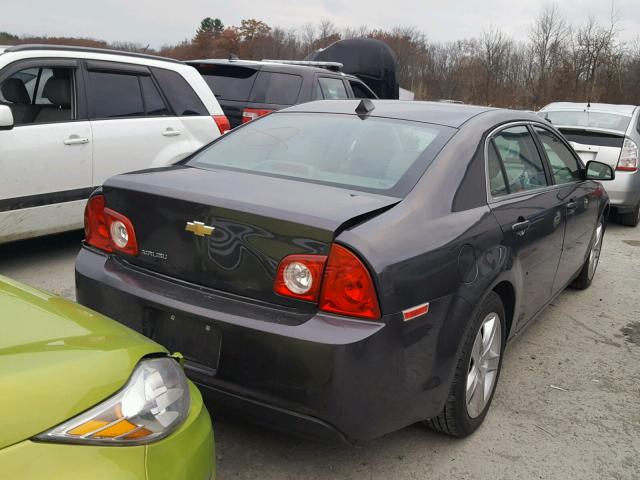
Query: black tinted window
{"x": 563, "y": 164}
{"x": 520, "y": 159}
{"x": 115, "y": 95}
{"x": 154, "y": 105}
{"x": 229, "y": 82}
{"x": 277, "y": 88}
{"x": 179, "y": 93}
{"x": 360, "y": 91}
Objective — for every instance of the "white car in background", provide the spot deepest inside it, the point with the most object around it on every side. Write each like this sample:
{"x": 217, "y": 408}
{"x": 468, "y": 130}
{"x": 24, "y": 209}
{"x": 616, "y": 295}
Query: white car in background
{"x": 610, "y": 134}
{"x": 70, "y": 117}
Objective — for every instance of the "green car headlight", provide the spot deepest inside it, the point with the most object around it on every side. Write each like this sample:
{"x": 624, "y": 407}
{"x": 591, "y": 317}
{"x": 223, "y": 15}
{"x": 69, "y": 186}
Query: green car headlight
{"x": 152, "y": 404}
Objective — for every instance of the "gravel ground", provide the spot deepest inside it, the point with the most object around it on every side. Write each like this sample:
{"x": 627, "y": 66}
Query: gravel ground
{"x": 567, "y": 404}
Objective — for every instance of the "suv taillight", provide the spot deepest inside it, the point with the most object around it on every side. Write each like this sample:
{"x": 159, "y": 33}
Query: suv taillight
{"x": 222, "y": 123}
{"x": 249, "y": 114}
{"x": 628, "y": 161}
{"x": 340, "y": 283}
{"x": 107, "y": 229}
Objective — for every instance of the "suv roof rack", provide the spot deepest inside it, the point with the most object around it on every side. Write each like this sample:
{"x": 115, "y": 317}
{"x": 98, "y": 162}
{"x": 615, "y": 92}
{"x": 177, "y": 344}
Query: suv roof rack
{"x": 333, "y": 66}
{"x": 71, "y": 48}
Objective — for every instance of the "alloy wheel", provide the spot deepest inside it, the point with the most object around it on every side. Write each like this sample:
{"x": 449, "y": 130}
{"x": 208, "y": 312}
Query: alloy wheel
{"x": 483, "y": 364}
{"x": 594, "y": 254}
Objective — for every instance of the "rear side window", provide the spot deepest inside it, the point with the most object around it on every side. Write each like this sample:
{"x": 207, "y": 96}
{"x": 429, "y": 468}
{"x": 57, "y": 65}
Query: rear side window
{"x": 276, "y": 88}
{"x": 519, "y": 159}
{"x": 153, "y": 102}
{"x": 378, "y": 154}
{"x": 332, "y": 88}
{"x": 229, "y": 82}
{"x": 360, "y": 91}
{"x": 115, "y": 95}
{"x": 497, "y": 179}
{"x": 184, "y": 101}
{"x": 563, "y": 164}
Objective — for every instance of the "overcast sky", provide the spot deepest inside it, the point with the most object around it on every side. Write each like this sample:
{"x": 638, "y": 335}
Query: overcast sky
{"x": 159, "y": 22}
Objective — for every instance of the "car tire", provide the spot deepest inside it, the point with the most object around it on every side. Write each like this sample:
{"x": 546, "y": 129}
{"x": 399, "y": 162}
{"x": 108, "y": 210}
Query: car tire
{"x": 462, "y": 416}
{"x": 631, "y": 219}
{"x": 588, "y": 270}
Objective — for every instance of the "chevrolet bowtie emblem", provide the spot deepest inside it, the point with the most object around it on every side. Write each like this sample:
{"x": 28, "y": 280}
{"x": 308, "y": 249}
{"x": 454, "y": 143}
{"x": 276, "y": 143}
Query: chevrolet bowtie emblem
{"x": 199, "y": 229}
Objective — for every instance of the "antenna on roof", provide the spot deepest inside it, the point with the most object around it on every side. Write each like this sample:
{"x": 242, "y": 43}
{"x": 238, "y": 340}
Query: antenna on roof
{"x": 364, "y": 108}
{"x": 232, "y": 57}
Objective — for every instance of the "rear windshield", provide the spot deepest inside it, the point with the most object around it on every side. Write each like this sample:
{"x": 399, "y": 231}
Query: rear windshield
{"x": 378, "y": 155}
{"x": 593, "y": 138}
{"x": 608, "y": 121}
{"x": 229, "y": 82}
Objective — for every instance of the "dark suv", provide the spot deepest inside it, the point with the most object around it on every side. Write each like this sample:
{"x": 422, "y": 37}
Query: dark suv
{"x": 248, "y": 89}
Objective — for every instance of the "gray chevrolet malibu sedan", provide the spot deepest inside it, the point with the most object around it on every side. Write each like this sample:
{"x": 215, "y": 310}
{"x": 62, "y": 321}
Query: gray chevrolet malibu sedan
{"x": 611, "y": 134}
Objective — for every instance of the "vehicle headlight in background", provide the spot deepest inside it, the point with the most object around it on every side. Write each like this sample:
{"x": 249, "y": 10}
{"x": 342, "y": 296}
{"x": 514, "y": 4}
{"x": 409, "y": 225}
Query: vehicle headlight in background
{"x": 152, "y": 404}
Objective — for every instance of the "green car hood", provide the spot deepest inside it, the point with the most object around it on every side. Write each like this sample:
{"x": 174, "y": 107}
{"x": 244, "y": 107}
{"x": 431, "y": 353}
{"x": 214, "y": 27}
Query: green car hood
{"x": 57, "y": 359}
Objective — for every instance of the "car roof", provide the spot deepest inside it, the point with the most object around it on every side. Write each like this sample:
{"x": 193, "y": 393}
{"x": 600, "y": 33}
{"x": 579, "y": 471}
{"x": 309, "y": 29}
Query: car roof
{"x": 450, "y": 115}
{"x": 71, "y": 48}
{"x": 594, "y": 107}
{"x": 268, "y": 66}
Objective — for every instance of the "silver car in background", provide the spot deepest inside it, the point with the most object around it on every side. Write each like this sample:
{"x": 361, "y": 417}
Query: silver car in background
{"x": 610, "y": 134}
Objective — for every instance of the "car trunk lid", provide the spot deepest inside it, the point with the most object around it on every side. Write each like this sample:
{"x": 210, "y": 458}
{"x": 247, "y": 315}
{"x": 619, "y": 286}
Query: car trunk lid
{"x": 595, "y": 144}
{"x": 256, "y": 221}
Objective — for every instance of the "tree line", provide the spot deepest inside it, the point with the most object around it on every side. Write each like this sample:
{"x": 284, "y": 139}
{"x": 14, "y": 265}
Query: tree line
{"x": 557, "y": 61}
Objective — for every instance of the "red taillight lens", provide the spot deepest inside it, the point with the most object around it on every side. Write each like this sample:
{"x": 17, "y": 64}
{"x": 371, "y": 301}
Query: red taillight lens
{"x": 249, "y": 114}
{"x": 121, "y": 232}
{"x": 96, "y": 231}
{"x": 300, "y": 276}
{"x": 108, "y": 230}
{"x": 223, "y": 123}
{"x": 347, "y": 287}
{"x": 628, "y": 161}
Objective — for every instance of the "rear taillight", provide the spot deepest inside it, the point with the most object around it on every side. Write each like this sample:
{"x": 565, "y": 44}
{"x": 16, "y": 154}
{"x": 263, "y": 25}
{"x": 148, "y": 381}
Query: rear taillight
{"x": 339, "y": 283}
{"x": 96, "y": 232}
{"x": 300, "y": 276}
{"x": 223, "y": 123}
{"x": 628, "y": 161}
{"x": 249, "y": 114}
{"x": 347, "y": 287}
{"x": 107, "y": 229}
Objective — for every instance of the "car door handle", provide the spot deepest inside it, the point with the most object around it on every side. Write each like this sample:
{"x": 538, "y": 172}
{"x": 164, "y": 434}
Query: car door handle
{"x": 520, "y": 227}
{"x": 75, "y": 140}
{"x": 170, "y": 132}
{"x": 572, "y": 205}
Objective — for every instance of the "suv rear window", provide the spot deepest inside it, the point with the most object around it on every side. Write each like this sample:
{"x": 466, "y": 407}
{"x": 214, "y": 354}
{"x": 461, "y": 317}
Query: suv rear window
{"x": 379, "y": 155}
{"x": 229, "y": 82}
{"x": 276, "y": 88}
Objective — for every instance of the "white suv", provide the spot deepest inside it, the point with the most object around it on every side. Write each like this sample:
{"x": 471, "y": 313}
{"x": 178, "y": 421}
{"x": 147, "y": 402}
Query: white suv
{"x": 71, "y": 117}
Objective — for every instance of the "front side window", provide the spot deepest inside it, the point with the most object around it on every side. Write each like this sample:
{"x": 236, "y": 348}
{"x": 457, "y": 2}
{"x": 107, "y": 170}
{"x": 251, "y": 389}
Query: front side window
{"x": 332, "y": 88}
{"x": 520, "y": 160}
{"x": 563, "y": 164}
{"x": 377, "y": 154}
{"x": 39, "y": 95}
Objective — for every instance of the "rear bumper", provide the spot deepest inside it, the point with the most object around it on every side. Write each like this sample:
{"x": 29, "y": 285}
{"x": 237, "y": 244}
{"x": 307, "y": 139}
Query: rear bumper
{"x": 624, "y": 191}
{"x": 327, "y": 377}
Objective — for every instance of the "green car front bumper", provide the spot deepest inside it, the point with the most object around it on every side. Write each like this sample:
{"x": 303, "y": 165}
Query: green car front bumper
{"x": 188, "y": 453}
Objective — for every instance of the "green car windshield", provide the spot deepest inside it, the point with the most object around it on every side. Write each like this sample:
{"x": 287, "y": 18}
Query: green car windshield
{"x": 379, "y": 155}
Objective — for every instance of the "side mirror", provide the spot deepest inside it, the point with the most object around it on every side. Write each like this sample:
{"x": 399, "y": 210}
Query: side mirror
{"x": 6, "y": 118}
{"x": 599, "y": 171}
